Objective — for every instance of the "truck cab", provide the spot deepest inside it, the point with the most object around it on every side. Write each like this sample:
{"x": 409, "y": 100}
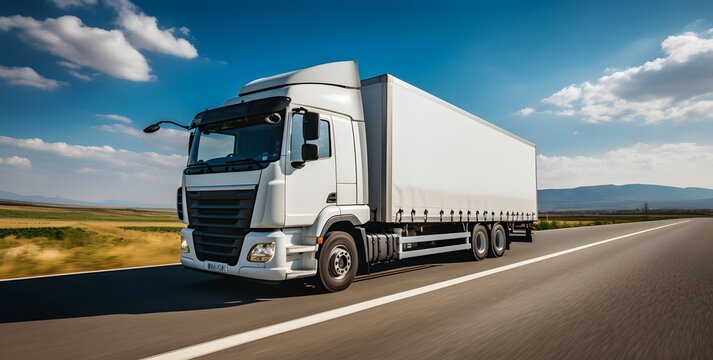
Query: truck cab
{"x": 271, "y": 170}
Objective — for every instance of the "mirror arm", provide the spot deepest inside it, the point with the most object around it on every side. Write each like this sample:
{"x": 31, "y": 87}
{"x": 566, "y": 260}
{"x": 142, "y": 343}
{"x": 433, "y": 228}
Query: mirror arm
{"x": 174, "y": 123}
{"x": 298, "y": 164}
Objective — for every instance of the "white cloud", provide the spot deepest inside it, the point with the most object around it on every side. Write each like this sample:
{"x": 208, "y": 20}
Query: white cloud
{"x": 145, "y": 161}
{"x": 143, "y": 32}
{"x": 72, "y": 70}
{"x": 79, "y": 75}
{"x": 87, "y": 170}
{"x": 121, "y": 118}
{"x": 17, "y": 161}
{"x": 66, "y": 4}
{"x": 67, "y": 37}
{"x": 26, "y": 76}
{"x": 69, "y": 65}
{"x": 184, "y": 30}
{"x": 564, "y": 97}
{"x": 681, "y": 164}
{"x": 676, "y": 87}
{"x": 121, "y": 129}
{"x": 526, "y": 111}
{"x": 91, "y": 173}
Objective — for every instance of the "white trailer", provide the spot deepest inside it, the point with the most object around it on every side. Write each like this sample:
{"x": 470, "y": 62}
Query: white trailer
{"x": 431, "y": 160}
{"x": 316, "y": 173}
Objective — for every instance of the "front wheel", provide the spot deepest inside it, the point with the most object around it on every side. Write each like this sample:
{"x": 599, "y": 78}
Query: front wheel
{"x": 338, "y": 261}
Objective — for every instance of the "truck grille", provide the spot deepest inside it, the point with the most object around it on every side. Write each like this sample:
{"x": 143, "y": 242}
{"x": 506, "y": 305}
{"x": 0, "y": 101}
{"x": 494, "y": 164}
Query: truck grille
{"x": 220, "y": 220}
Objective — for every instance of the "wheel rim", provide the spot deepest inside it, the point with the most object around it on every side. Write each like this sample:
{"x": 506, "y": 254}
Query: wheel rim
{"x": 480, "y": 243}
{"x": 499, "y": 240}
{"x": 340, "y": 262}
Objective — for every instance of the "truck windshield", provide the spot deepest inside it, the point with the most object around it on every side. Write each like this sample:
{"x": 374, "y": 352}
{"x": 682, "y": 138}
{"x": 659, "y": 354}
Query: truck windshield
{"x": 236, "y": 145}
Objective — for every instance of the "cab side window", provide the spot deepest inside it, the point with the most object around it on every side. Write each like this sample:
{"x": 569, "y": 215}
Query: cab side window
{"x": 324, "y": 142}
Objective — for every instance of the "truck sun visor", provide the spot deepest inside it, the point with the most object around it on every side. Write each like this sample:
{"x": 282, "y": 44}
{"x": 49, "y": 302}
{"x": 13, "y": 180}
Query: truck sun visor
{"x": 242, "y": 110}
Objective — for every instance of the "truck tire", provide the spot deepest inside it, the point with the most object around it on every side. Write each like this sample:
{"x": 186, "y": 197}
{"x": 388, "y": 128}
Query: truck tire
{"x": 479, "y": 242}
{"x": 338, "y": 261}
{"x": 498, "y": 240}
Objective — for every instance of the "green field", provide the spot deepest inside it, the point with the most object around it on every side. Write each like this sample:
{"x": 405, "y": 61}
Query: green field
{"x": 42, "y": 240}
{"x": 88, "y": 214}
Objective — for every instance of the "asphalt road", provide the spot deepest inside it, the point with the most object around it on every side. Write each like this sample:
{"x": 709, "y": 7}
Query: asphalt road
{"x": 644, "y": 296}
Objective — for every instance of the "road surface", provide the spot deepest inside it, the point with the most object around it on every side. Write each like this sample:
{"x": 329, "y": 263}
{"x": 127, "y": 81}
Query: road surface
{"x": 646, "y": 295}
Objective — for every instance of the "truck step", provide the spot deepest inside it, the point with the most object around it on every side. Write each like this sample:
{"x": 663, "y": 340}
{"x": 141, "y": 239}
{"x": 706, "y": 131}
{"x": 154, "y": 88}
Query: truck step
{"x": 296, "y": 249}
{"x": 293, "y": 274}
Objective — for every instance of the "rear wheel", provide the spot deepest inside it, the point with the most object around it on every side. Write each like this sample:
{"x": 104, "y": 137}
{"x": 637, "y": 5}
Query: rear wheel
{"x": 479, "y": 242}
{"x": 337, "y": 261}
{"x": 498, "y": 240}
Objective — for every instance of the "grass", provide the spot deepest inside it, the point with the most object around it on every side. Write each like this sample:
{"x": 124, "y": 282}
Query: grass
{"x": 554, "y": 224}
{"x": 88, "y": 214}
{"x": 550, "y": 221}
{"x": 41, "y": 240}
{"x": 56, "y": 233}
{"x": 166, "y": 229}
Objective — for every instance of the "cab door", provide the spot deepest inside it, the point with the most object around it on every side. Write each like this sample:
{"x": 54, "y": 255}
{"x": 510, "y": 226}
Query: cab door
{"x": 311, "y": 187}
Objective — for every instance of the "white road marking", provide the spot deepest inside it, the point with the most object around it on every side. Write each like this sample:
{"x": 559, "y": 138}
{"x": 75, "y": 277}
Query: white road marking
{"x": 227, "y": 342}
{"x": 87, "y": 272}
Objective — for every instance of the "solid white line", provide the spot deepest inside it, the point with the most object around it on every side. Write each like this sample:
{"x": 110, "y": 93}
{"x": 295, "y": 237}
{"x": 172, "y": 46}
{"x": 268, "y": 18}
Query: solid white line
{"x": 210, "y": 347}
{"x": 86, "y": 272}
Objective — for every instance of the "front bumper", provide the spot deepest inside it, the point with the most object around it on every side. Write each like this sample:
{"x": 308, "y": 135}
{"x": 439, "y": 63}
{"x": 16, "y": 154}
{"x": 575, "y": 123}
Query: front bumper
{"x": 292, "y": 258}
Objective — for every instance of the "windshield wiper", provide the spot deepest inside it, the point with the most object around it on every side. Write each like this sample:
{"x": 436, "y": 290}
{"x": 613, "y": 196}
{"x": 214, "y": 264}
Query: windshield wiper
{"x": 203, "y": 164}
{"x": 256, "y": 162}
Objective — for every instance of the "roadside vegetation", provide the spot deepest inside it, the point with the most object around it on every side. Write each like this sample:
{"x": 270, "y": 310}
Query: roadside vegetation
{"x": 84, "y": 214}
{"x": 554, "y": 224}
{"x": 561, "y": 220}
{"x": 42, "y": 240}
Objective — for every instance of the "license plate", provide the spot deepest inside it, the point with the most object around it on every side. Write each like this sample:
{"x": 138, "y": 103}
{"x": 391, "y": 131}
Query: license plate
{"x": 216, "y": 267}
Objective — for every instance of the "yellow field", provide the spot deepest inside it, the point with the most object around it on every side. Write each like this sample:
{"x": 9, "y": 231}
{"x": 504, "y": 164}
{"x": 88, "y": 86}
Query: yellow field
{"x": 39, "y": 240}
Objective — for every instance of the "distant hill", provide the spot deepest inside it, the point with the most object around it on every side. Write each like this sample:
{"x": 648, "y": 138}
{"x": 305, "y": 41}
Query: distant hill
{"x": 38, "y": 199}
{"x": 624, "y": 197}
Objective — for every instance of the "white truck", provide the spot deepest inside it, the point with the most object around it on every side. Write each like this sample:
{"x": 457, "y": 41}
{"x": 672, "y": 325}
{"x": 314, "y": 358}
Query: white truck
{"x": 316, "y": 173}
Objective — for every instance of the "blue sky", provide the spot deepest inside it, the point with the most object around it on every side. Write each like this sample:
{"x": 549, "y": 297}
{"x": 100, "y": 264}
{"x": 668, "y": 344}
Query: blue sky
{"x": 78, "y": 78}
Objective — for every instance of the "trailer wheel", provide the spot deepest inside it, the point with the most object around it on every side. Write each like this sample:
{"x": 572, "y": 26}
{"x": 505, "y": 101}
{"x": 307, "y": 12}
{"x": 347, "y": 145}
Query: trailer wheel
{"x": 479, "y": 242}
{"x": 338, "y": 261}
{"x": 498, "y": 240}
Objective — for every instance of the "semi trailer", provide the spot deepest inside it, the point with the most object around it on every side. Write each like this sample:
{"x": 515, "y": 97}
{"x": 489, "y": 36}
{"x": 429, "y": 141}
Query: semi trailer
{"x": 316, "y": 173}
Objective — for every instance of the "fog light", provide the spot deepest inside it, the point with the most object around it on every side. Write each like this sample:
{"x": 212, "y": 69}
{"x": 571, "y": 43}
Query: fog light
{"x": 262, "y": 252}
{"x": 184, "y": 246}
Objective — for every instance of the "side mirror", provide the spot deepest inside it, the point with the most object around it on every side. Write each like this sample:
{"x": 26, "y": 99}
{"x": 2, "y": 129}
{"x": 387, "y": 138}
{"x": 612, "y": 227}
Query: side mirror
{"x": 310, "y": 152}
{"x": 152, "y": 128}
{"x": 190, "y": 143}
{"x": 310, "y": 126}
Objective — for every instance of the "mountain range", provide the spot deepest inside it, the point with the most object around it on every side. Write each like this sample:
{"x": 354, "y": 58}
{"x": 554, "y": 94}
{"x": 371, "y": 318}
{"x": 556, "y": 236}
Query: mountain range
{"x": 599, "y": 197}
{"x": 38, "y": 199}
{"x": 624, "y": 197}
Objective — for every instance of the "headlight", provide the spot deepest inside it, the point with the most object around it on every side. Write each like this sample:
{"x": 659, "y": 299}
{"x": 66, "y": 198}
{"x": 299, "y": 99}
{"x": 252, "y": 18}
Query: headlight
{"x": 184, "y": 245}
{"x": 262, "y": 252}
